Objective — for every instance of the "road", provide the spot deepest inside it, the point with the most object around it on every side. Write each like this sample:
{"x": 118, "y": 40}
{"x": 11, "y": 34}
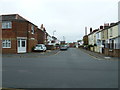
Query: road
{"x": 66, "y": 69}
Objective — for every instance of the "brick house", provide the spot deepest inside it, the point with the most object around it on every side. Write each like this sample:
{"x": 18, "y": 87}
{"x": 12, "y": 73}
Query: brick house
{"x": 18, "y": 34}
{"x": 85, "y": 40}
{"x": 112, "y": 47}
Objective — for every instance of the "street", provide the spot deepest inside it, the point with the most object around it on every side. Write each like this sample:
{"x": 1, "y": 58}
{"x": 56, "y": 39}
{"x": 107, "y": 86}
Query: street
{"x": 66, "y": 69}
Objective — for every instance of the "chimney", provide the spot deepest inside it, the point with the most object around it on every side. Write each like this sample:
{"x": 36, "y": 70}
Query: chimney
{"x": 41, "y": 26}
{"x": 44, "y": 29}
{"x": 101, "y": 27}
{"x": 85, "y": 30}
{"x": 90, "y": 30}
{"x": 16, "y": 17}
{"x": 106, "y": 25}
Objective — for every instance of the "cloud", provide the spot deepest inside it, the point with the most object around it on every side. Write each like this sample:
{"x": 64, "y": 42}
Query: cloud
{"x": 67, "y": 17}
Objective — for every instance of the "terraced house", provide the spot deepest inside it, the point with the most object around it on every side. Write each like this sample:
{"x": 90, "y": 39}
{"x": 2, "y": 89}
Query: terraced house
{"x": 107, "y": 40}
{"x": 101, "y": 38}
{"x": 98, "y": 41}
{"x": 92, "y": 39}
{"x": 112, "y": 47}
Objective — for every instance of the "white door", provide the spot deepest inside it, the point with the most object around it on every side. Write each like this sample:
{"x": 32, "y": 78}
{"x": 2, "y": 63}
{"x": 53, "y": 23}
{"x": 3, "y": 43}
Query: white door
{"x": 21, "y": 45}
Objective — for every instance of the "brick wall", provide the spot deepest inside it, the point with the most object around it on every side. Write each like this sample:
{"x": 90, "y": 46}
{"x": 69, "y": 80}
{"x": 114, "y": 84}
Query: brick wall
{"x": 40, "y": 36}
{"x": 10, "y": 34}
{"x": 19, "y": 29}
{"x": 85, "y": 40}
{"x": 112, "y": 52}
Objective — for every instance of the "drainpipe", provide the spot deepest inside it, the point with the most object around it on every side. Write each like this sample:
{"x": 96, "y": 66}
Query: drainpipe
{"x": 27, "y": 37}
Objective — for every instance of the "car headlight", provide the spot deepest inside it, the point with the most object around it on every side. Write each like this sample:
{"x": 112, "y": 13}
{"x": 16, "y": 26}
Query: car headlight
{"x": 35, "y": 49}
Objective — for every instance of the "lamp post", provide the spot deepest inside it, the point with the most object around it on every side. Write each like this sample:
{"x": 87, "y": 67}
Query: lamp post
{"x": 54, "y": 32}
{"x": 63, "y": 38}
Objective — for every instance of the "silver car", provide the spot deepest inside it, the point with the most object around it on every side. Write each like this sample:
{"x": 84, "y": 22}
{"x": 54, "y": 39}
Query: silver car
{"x": 63, "y": 47}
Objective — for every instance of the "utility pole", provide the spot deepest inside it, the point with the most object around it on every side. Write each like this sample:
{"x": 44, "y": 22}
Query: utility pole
{"x": 85, "y": 30}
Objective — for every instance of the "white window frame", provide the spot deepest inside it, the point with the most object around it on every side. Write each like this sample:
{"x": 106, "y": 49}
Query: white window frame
{"x": 32, "y": 29}
{"x": 6, "y": 25}
{"x": 6, "y": 43}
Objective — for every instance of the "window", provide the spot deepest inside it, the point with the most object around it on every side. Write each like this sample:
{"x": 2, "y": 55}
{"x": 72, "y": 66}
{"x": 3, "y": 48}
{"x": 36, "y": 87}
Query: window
{"x": 6, "y": 25}
{"x": 6, "y": 43}
{"x": 111, "y": 44}
{"x": 111, "y": 32}
{"x": 23, "y": 43}
{"x": 32, "y": 29}
{"x": 103, "y": 34}
{"x": 98, "y": 35}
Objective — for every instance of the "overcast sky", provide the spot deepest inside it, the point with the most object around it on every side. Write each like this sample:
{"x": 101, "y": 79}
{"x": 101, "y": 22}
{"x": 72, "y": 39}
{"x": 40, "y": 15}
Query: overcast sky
{"x": 67, "y": 17}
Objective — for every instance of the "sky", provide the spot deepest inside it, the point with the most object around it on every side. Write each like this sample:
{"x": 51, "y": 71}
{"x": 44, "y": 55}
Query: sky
{"x": 67, "y": 17}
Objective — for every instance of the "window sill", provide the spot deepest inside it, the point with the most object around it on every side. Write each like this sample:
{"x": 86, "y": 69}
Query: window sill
{"x": 6, "y": 28}
{"x": 6, "y": 47}
{"x": 110, "y": 50}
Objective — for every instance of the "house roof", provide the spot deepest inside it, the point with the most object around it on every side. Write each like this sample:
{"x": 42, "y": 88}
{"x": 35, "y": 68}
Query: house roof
{"x": 54, "y": 37}
{"x": 13, "y": 17}
{"x": 112, "y": 25}
{"x": 93, "y": 32}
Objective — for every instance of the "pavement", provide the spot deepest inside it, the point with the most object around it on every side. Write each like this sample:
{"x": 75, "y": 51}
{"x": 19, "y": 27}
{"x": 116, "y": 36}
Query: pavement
{"x": 32, "y": 54}
{"x": 99, "y": 56}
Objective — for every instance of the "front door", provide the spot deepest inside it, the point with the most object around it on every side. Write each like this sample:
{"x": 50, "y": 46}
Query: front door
{"x": 21, "y": 45}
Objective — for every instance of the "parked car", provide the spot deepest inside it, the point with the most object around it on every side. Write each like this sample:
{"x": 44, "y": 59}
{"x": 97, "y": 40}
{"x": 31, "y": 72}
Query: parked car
{"x": 40, "y": 47}
{"x": 63, "y": 47}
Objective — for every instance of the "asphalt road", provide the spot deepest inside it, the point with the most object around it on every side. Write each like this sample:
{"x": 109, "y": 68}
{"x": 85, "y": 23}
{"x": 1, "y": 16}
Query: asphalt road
{"x": 66, "y": 69}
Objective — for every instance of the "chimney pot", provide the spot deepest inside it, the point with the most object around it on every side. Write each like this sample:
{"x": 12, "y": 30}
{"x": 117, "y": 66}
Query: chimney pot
{"x": 90, "y": 30}
{"x": 41, "y": 26}
{"x": 101, "y": 27}
{"x": 106, "y": 24}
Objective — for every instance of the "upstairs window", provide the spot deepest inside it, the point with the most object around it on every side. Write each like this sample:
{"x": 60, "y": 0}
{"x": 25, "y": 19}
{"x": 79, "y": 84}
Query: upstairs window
{"x": 6, "y": 25}
{"x": 6, "y": 43}
{"x": 103, "y": 34}
{"x": 32, "y": 29}
{"x": 98, "y": 35}
{"x": 111, "y": 32}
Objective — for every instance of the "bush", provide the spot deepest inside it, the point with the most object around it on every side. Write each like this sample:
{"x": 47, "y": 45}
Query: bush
{"x": 95, "y": 44}
{"x": 33, "y": 48}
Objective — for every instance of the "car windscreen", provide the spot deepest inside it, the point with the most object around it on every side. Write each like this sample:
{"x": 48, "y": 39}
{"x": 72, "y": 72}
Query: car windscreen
{"x": 63, "y": 46}
{"x": 39, "y": 46}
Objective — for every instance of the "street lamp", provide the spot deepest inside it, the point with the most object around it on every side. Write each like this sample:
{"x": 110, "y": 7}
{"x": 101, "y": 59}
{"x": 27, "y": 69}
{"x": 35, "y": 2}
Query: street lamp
{"x": 63, "y": 38}
{"x": 54, "y": 32}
